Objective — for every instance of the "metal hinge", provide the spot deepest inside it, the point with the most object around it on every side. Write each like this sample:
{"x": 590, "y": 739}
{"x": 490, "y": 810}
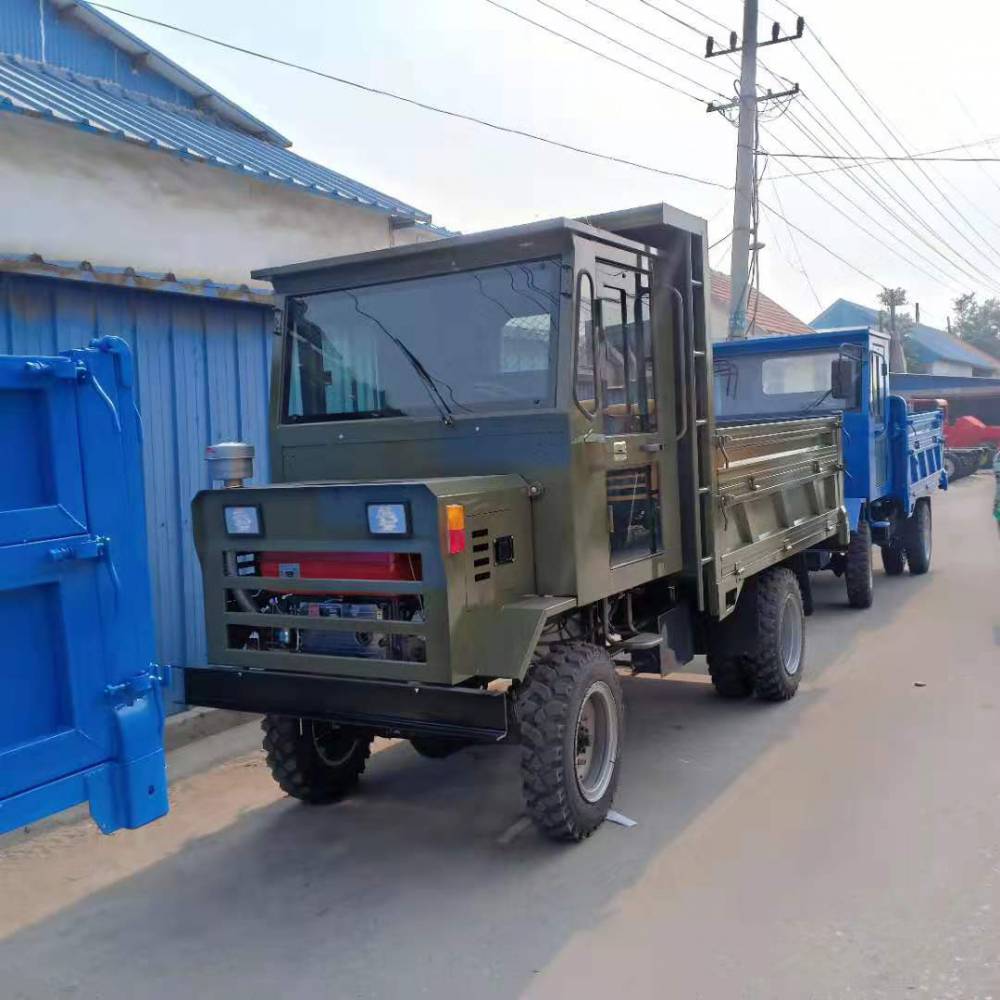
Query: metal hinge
{"x": 62, "y": 368}
{"x": 89, "y": 547}
{"x": 134, "y": 687}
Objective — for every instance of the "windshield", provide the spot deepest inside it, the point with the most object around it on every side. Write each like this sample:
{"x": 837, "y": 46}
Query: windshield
{"x": 778, "y": 384}
{"x": 440, "y": 345}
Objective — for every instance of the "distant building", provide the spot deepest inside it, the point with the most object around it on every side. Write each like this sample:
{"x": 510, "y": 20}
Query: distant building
{"x": 943, "y": 353}
{"x": 764, "y": 316}
{"x": 113, "y": 154}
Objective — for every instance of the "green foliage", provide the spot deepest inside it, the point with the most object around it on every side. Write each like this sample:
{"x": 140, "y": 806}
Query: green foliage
{"x": 978, "y": 322}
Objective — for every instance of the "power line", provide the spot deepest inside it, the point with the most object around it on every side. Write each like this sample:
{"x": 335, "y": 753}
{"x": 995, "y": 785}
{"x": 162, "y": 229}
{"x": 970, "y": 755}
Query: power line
{"x": 869, "y": 158}
{"x": 859, "y": 225}
{"x": 596, "y": 52}
{"x": 661, "y": 38}
{"x": 798, "y": 254}
{"x": 623, "y": 45}
{"x": 674, "y": 18}
{"x": 935, "y": 241}
{"x": 933, "y": 246}
{"x": 876, "y": 161}
{"x": 812, "y": 239}
{"x": 881, "y": 119}
{"x": 423, "y": 105}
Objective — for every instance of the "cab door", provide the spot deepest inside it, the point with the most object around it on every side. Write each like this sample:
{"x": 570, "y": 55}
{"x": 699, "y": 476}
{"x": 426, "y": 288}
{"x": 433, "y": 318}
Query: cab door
{"x": 878, "y": 372}
{"x": 80, "y": 714}
{"x": 630, "y": 415}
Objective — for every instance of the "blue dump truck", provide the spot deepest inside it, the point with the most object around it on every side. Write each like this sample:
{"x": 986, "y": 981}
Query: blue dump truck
{"x": 893, "y": 457}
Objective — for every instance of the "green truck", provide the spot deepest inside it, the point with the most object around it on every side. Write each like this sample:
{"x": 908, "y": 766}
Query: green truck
{"x": 497, "y": 484}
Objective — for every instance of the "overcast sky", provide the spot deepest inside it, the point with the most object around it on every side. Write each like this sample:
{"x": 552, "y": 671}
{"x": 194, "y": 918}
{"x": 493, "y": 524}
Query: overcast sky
{"x": 926, "y": 67}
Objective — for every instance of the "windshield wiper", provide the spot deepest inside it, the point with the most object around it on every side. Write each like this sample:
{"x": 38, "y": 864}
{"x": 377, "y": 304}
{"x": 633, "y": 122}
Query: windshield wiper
{"x": 444, "y": 410}
{"x": 817, "y": 402}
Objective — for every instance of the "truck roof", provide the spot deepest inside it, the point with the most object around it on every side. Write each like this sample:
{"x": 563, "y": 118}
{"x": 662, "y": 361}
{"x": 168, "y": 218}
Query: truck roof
{"x": 634, "y": 228}
{"x": 800, "y": 341}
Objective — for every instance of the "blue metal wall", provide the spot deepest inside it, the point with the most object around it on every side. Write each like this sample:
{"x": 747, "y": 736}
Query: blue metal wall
{"x": 203, "y": 370}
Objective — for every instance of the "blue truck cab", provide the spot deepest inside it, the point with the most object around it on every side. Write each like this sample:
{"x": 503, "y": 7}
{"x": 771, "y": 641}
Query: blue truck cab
{"x": 893, "y": 457}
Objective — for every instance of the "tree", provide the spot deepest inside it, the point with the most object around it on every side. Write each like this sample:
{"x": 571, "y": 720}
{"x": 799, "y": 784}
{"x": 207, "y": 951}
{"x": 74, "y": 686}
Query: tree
{"x": 978, "y": 323}
{"x": 891, "y": 298}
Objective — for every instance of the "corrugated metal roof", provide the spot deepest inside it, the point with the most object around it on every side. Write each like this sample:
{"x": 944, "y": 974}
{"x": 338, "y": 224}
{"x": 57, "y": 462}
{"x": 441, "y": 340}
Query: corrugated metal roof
{"x": 75, "y": 36}
{"x": 43, "y": 91}
{"x": 766, "y": 314}
{"x": 937, "y": 344}
{"x": 128, "y": 277}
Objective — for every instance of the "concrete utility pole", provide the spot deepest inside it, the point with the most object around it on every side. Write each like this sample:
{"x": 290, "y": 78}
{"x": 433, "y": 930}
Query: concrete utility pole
{"x": 746, "y": 168}
{"x": 744, "y": 232}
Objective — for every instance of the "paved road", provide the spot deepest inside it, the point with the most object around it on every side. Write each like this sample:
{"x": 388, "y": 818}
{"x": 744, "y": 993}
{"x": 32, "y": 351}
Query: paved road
{"x": 846, "y": 845}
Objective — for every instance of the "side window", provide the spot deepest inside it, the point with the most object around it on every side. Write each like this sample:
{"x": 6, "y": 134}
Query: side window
{"x": 585, "y": 381}
{"x": 875, "y": 363}
{"x": 626, "y": 360}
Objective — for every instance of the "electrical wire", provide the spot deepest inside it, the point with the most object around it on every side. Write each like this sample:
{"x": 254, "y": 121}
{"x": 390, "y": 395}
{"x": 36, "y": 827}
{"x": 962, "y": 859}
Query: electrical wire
{"x": 864, "y": 158}
{"x": 423, "y": 105}
{"x": 881, "y": 119}
{"x": 798, "y": 253}
{"x": 661, "y": 38}
{"x": 812, "y": 239}
{"x": 623, "y": 45}
{"x": 595, "y": 52}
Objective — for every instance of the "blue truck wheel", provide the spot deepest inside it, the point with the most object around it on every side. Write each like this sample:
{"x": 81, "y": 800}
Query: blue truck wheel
{"x": 858, "y": 570}
{"x": 893, "y": 558}
{"x": 918, "y": 537}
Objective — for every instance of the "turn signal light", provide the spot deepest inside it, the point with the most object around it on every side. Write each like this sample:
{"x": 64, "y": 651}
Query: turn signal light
{"x": 455, "y": 516}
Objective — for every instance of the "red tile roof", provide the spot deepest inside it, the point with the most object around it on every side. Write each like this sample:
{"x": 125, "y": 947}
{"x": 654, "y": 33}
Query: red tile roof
{"x": 766, "y": 314}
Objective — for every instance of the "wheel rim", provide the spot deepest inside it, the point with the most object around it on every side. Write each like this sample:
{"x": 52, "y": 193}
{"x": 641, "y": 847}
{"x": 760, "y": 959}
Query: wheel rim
{"x": 333, "y": 746}
{"x": 790, "y": 637}
{"x": 596, "y": 741}
{"x": 925, "y": 533}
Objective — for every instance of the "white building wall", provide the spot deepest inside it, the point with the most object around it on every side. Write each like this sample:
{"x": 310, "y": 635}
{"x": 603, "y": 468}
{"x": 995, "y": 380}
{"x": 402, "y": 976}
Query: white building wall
{"x": 70, "y": 195}
{"x": 950, "y": 368}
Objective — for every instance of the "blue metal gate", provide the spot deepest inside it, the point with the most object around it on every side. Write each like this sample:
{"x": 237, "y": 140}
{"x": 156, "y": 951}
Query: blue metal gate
{"x": 81, "y": 713}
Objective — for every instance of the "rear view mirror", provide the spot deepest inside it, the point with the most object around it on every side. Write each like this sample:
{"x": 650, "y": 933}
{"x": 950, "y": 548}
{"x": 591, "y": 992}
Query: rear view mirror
{"x": 843, "y": 376}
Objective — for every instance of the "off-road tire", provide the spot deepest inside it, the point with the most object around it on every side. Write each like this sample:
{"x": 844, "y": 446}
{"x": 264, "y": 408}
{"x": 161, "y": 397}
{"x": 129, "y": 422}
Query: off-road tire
{"x": 435, "y": 747}
{"x": 733, "y": 676}
{"x": 858, "y": 573}
{"x": 548, "y": 708}
{"x": 314, "y": 761}
{"x": 776, "y": 674}
{"x": 893, "y": 559}
{"x": 917, "y": 537}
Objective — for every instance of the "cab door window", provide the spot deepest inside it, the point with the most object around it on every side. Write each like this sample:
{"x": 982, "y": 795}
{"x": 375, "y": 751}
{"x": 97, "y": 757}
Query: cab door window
{"x": 626, "y": 358}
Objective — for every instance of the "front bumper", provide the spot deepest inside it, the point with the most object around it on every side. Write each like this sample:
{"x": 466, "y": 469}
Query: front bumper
{"x": 385, "y": 707}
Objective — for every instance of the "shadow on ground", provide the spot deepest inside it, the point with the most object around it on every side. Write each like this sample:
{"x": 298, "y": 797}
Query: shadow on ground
{"x": 412, "y": 886}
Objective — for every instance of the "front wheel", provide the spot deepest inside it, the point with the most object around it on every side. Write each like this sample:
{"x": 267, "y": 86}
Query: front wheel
{"x": 917, "y": 536}
{"x": 572, "y": 719}
{"x": 316, "y": 762}
{"x": 779, "y": 651}
{"x": 858, "y": 568}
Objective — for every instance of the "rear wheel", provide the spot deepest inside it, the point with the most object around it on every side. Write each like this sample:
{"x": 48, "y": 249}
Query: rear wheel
{"x": 571, "y": 717}
{"x": 779, "y": 652}
{"x": 314, "y": 761}
{"x": 893, "y": 559}
{"x": 858, "y": 570}
{"x": 733, "y": 676}
{"x": 918, "y": 537}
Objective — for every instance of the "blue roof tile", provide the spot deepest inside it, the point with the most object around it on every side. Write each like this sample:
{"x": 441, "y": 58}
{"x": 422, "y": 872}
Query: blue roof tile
{"x": 933, "y": 343}
{"x": 45, "y": 91}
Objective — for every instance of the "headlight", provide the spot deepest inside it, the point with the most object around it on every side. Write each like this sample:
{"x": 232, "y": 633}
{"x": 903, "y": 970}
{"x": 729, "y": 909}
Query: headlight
{"x": 242, "y": 520}
{"x": 389, "y": 519}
